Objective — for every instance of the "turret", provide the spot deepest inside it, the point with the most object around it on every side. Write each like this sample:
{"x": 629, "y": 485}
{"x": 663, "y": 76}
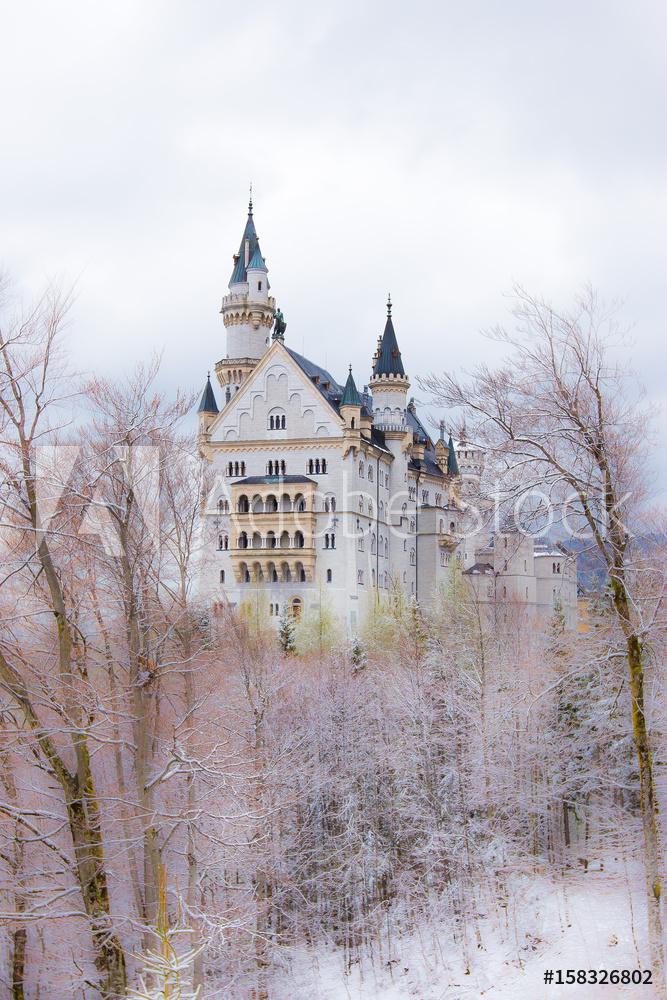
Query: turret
{"x": 350, "y": 408}
{"x": 389, "y": 383}
{"x": 247, "y": 311}
{"x": 207, "y": 411}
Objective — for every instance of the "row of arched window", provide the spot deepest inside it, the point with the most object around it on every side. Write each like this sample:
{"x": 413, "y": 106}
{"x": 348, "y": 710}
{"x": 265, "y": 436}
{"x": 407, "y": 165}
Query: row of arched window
{"x": 316, "y": 466}
{"x": 271, "y": 541}
{"x": 236, "y": 468}
{"x": 275, "y": 468}
{"x": 277, "y": 422}
{"x": 271, "y": 504}
{"x": 272, "y": 573}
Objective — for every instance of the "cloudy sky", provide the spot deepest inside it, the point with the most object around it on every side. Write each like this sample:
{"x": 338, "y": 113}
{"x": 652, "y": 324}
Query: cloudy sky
{"x": 439, "y": 151}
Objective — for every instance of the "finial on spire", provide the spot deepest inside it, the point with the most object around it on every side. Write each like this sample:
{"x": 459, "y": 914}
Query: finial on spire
{"x": 250, "y": 201}
{"x": 389, "y": 305}
{"x": 350, "y": 369}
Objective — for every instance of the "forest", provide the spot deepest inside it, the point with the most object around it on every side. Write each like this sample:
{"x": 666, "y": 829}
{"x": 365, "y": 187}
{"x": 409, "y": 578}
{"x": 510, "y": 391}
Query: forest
{"x": 193, "y": 804}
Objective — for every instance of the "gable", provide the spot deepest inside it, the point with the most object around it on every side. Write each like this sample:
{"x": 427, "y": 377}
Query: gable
{"x": 277, "y": 402}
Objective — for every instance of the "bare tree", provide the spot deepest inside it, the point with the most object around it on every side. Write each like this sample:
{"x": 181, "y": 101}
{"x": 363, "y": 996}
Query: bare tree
{"x": 567, "y": 421}
{"x": 34, "y": 382}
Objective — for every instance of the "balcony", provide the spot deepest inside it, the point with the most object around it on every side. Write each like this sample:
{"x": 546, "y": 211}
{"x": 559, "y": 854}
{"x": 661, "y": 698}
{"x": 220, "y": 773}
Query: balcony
{"x": 271, "y": 566}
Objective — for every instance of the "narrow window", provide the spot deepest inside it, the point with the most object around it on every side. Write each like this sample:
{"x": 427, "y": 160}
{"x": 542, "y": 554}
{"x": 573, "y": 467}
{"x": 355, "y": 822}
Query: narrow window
{"x": 324, "y": 466}
{"x": 271, "y": 423}
{"x": 333, "y": 541}
{"x": 259, "y": 286}
{"x": 282, "y": 468}
{"x": 222, "y": 576}
{"x": 329, "y": 576}
{"x": 282, "y": 421}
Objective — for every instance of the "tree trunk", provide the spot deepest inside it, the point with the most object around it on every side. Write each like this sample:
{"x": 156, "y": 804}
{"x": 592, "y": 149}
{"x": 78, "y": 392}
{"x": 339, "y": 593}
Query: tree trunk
{"x": 648, "y": 807}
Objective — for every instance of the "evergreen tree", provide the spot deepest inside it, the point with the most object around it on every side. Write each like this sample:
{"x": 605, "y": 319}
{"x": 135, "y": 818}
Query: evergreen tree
{"x": 286, "y": 632}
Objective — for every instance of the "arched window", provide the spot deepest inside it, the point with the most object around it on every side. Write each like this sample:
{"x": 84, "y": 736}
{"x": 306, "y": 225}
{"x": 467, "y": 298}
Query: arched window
{"x": 412, "y": 524}
{"x": 309, "y": 467}
{"x": 324, "y": 466}
{"x": 372, "y": 545}
{"x": 329, "y": 576}
{"x": 219, "y": 542}
{"x": 230, "y": 468}
{"x": 282, "y": 468}
{"x": 236, "y": 468}
{"x": 360, "y": 543}
{"x": 452, "y": 527}
{"x": 299, "y": 541}
{"x": 370, "y": 473}
{"x": 352, "y": 423}
{"x": 317, "y": 466}
{"x": 223, "y": 506}
{"x": 361, "y": 470}
{"x": 244, "y": 505}
{"x": 412, "y": 557}
{"x": 222, "y": 576}
{"x": 302, "y": 576}
{"x": 295, "y": 607}
{"x": 225, "y": 542}
{"x": 243, "y": 468}
{"x": 404, "y": 509}
{"x": 276, "y": 420}
{"x": 243, "y": 540}
{"x": 360, "y": 577}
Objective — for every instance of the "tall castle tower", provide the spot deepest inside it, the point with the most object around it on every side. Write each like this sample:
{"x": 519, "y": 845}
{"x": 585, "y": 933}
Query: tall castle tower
{"x": 389, "y": 384}
{"x": 247, "y": 311}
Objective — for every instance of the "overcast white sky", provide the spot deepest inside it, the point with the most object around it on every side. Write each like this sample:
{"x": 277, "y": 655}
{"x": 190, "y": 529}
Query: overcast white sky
{"x": 439, "y": 151}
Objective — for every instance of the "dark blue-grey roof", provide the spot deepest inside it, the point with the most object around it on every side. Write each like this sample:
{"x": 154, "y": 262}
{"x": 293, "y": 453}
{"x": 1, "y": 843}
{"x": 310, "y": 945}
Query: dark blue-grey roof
{"x": 271, "y": 480}
{"x": 350, "y": 395}
{"x": 208, "y": 403}
{"x": 334, "y": 393}
{"x": 256, "y": 260}
{"x": 250, "y": 234}
{"x": 389, "y": 357}
{"x": 452, "y": 464}
{"x": 416, "y": 425}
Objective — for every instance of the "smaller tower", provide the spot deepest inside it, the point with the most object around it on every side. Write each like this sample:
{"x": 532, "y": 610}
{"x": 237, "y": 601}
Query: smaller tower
{"x": 247, "y": 310}
{"x": 207, "y": 411}
{"x": 389, "y": 383}
{"x": 350, "y": 409}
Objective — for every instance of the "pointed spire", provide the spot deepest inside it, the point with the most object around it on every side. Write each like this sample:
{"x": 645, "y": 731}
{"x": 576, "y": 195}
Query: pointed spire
{"x": 452, "y": 464}
{"x": 249, "y": 244}
{"x": 388, "y": 359}
{"x": 350, "y": 394}
{"x": 208, "y": 403}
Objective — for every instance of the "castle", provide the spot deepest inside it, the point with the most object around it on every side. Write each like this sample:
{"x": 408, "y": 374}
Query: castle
{"x": 326, "y": 493}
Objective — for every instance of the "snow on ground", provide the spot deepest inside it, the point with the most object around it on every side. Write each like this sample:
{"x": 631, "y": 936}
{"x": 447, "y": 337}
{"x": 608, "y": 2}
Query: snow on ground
{"x": 593, "y": 920}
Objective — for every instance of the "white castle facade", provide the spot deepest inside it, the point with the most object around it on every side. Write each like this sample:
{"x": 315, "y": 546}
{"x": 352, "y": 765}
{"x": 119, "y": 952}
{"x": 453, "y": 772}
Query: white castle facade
{"x": 326, "y": 494}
